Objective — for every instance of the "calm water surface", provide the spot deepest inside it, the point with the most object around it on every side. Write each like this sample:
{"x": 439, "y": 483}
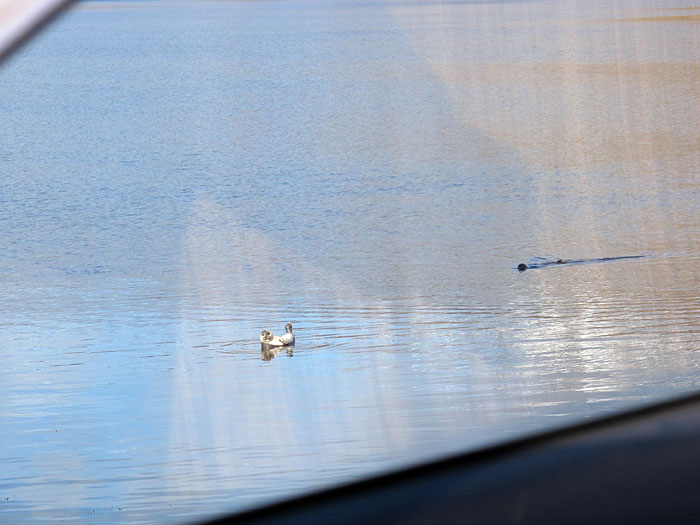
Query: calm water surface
{"x": 175, "y": 177}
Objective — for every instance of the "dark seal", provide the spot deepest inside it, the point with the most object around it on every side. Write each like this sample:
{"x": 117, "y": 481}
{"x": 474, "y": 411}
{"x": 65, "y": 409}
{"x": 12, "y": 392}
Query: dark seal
{"x": 522, "y": 266}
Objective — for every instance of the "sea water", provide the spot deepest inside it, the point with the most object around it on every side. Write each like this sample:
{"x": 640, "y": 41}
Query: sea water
{"x": 176, "y": 177}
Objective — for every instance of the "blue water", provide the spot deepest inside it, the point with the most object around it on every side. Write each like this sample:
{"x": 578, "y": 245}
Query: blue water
{"x": 176, "y": 177}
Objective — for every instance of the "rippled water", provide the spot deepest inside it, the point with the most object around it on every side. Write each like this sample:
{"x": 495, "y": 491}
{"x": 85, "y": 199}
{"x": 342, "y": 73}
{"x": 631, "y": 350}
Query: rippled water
{"x": 178, "y": 176}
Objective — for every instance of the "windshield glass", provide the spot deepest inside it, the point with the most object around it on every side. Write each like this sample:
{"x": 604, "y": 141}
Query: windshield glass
{"x": 179, "y": 176}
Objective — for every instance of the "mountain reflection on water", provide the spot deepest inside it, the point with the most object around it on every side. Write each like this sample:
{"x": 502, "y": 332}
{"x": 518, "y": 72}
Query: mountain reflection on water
{"x": 372, "y": 171}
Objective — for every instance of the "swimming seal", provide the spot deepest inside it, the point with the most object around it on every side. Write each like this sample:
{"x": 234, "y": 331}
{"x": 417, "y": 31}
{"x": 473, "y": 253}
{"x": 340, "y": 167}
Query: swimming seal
{"x": 267, "y": 339}
{"x": 543, "y": 263}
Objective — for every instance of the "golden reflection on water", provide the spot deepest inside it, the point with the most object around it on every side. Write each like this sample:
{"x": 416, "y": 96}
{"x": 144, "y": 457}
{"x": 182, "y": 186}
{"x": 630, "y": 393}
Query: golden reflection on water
{"x": 676, "y": 18}
{"x": 616, "y": 95}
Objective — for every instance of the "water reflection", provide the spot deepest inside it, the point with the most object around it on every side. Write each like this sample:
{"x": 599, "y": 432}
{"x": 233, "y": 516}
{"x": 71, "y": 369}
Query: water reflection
{"x": 268, "y": 353}
{"x": 573, "y": 88}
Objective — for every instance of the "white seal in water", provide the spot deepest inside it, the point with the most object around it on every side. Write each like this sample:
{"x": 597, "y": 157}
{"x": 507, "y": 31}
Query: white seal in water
{"x": 267, "y": 338}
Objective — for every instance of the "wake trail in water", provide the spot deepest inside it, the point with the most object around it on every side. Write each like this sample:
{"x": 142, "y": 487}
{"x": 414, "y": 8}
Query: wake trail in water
{"x": 541, "y": 262}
